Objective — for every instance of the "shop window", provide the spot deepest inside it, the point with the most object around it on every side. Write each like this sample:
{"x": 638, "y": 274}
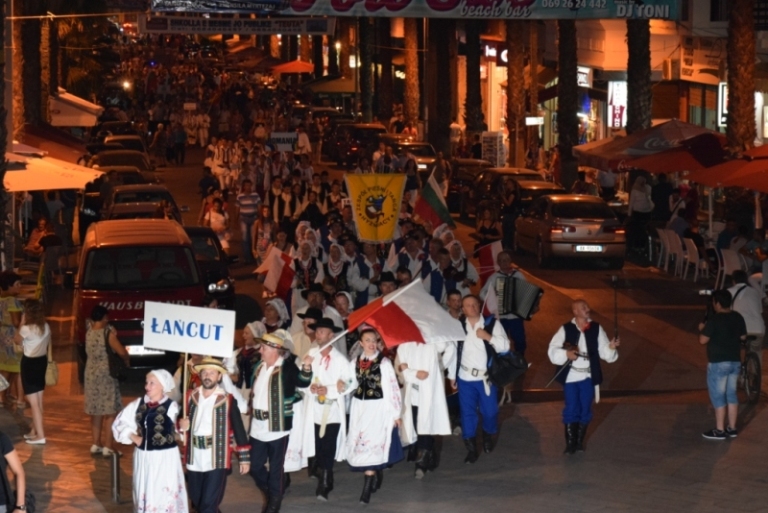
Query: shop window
{"x": 718, "y": 10}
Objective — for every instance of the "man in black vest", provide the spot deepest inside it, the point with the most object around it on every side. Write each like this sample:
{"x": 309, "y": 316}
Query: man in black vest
{"x": 577, "y": 348}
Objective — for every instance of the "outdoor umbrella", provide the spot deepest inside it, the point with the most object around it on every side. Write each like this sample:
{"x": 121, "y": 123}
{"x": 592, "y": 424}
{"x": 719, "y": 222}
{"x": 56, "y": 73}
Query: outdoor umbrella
{"x": 297, "y": 66}
{"x": 700, "y": 152}
{"x": 42, "y": 174}
{"x": 742, "y": 172}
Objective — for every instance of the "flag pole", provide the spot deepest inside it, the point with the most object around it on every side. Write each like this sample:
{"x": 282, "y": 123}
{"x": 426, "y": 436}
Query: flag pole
{"x": 184, "y": 388}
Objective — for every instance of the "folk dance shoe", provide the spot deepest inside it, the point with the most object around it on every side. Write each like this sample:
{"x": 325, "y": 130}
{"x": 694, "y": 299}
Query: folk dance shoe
{"x": 365, "y": 497}
{"x": 324, "y": 485}
{"x": 471, "y": 445}
{"x": 580, "y": 437}
{"x": 571, "y": 434}
{"x": 378, "y": 479}
{"x": 489, "y": 442}
{"x": 422, "y": 460}
{"x": 313, "y": 472}
{"x": 273, "y": 506}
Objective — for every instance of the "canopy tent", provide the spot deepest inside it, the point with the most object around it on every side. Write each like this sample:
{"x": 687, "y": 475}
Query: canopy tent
{"x": 69, "y": 110}
{"x": 46, "y": 173}
{"x": 297, "y": 66}
{"x": 621, "y": 150}
{"x": 697, "y": 153}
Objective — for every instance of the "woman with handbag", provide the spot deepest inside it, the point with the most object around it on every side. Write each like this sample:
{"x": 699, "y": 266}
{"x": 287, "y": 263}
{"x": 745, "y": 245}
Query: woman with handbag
{"x": 102, "y": 390}
{"x": 9, "y": 501}
{"x": 35, "y": 337}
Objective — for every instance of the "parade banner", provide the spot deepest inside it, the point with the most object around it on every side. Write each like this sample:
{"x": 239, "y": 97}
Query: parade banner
{"x": 283, "y": 141}
{"x": 241, "y": 26}
{"x": 456, "y": 9}
{"x": 376, "y": 200}
{"x": 189, "y": 329}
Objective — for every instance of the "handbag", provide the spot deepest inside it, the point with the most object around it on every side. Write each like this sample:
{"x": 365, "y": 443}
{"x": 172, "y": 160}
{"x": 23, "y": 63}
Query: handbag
{"x": 116, "y": 364}
{"x": 52, "y": 370}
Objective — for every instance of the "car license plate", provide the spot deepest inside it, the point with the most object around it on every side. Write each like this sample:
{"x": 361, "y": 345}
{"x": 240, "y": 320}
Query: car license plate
{"x": 142, "y": 351}
{"x": 589, "y": 248}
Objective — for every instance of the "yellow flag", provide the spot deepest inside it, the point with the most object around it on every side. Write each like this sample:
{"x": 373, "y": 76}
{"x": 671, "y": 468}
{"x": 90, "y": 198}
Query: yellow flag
{"x": 376, "y": 202}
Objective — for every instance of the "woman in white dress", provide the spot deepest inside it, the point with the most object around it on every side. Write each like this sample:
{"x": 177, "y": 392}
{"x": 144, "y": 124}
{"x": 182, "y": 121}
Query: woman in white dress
{"x": 158, "y": 479}
{"x": 373, "y": 442}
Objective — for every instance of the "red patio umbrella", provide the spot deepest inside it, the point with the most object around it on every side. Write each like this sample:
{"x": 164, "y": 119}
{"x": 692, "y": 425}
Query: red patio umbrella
{"x": 741, "y": 172}
{"x": 699, "y": 152}
{"x": 297, "y": 66}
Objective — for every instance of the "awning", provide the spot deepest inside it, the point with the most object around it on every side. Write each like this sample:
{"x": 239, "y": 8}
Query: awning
{"x": 45, "y": 174}
{"x": 69, "y": 110}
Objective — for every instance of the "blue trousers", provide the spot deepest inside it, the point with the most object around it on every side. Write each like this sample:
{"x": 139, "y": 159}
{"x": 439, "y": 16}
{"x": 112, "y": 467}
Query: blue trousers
{"x": 578, "y": 401}
{"x": 471, "y": 398}
{"x": 516, "y": 332}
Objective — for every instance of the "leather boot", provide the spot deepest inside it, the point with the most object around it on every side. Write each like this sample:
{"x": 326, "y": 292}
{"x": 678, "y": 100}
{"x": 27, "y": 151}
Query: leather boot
{"x": 489, "y": 442}
{"x": 264, "y": 499}
{"x": 421, "y": 464}
{"x": 433, "y": 460}
{"x": 365, "y": 498}
{"x": 286, "y": 482}
{"x": 324, "y": 485}
{"x": 378, "y": 478}
{"x": 312, "y": 468}
{"x": 571, "y": 431}
{"x": 412, "y": 452}
{"x": 273, "y": 506}
{"x": 580, "y": 437}
{"x": 471, "y": 445}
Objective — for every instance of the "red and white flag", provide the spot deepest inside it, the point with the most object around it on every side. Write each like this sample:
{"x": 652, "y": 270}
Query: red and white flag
{"x": 279, "y": 275}
{"x": 487, "y": 257}
{"x": 409, "y": 314}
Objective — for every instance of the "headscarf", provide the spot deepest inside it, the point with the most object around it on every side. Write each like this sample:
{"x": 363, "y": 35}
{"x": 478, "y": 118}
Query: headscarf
{"x": 302, "y": 227}
{"x": 282, "y": 310}
{"x": 337, "y": 271}
{"x": 257, "y": 328}
{"x": 450, "y": 245}
{"x": 165, "y": 379}
{"x": 349, "y": 298}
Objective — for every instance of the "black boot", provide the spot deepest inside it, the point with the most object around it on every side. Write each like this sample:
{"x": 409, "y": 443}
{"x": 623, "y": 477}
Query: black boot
{"x": 273, "y": 506}
{"x": 489, "y": 442}
{"x": 365, "y": 498}
{"x": 378, "y": 478}
{"x": 412, "y": 452}
{"x": 433, "y": 460}
{"x": 471, "y": 445}
{"x": 571, "y": 431}
{"x": 580, "y": 437}
{"x": 324, "y": 485}
{"x": 421, "y": 464}
{"x": 264, "y": 499}
{"x": 312, "y": 470}
{"x": 286, "y": 482}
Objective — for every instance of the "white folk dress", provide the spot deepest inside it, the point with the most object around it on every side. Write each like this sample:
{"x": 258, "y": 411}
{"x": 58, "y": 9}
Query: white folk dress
{"x": 158, "y": 479}
{"x": 372, "y": 418}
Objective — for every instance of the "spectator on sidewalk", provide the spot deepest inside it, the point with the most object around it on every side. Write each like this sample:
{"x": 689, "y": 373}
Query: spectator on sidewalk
{"x": 34, "y": 336}
{"x": 748, "y": 301}
{"x": 11, "y": 459}
{"x": 722, "y": 334}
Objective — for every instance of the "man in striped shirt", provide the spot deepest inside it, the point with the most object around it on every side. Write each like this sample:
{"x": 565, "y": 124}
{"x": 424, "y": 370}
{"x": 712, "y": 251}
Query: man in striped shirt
{"x": 248, "y": 203}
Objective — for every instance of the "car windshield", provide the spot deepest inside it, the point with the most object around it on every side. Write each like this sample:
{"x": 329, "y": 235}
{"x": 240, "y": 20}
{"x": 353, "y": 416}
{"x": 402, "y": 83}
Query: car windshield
{"x": 136, "y": 215}
{"x": 420, "y": 150}
{"x": 582, "y": 210}
{"x": 205, "y": 248}
{"x": 132, "y": 268}
{"x": 131, "y": 144}
{"x": 367, "y": 134}
{"x": 143, "y": 197}
{"x": 122, "y": 159}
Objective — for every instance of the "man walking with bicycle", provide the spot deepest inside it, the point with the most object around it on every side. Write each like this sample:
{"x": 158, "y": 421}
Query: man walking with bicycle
{"x": 722, "y": 333}
{"x": 748, "y": 301}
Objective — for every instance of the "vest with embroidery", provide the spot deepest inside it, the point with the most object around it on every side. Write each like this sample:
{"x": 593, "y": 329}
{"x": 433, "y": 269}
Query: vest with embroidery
{"x": 339, "y": 281}
{"x": 306, "y": 276}
{"x": 155, "y": 426}
{"x": 362, "y": 297}
{"x": 368, "y": 379}
{"x": 572, "y": 335}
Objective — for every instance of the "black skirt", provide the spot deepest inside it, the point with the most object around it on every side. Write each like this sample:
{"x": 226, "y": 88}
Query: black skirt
{"x": 33, "y": 373}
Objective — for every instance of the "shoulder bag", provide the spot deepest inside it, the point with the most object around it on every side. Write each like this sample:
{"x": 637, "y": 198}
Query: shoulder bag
{"x": 117, "y": 366}
{"x": 52, "y": 370}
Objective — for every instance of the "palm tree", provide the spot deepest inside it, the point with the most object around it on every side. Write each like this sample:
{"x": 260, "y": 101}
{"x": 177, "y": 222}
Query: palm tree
{"x": 386, "y": 87}
{"x": 274, "y": 46}
{"x": 567, "y": 103}
{"x": 342, "y": 30}
{"x": 305, "y": 52}
{"x": 411, "y": 96}
{"x": 638, "y": 75}
{"x": 741, "y": 130}
{"x": 32, "y": 70}
{"x": 515, "y": 84}
{"x": 442, "y": 35}
{"x": 473, "y": 104}
{"x": 317, "y": 55}
{"x": 365, "y": 30}
{"x": 5, "y": 197}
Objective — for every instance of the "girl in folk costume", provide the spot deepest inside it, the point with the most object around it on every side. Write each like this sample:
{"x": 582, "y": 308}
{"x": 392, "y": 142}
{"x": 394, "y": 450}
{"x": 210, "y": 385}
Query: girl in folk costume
{"x": 465, "y": 273}
{"x": 275, "y": 315}
{"x": 273, "y": 192}
{"x": 337, "y": 268}
{"x": 149, "y": 423}
{"x": 308, "y": 270}
{"x": 373, "y": 442}
{"x": 317, "y": 248}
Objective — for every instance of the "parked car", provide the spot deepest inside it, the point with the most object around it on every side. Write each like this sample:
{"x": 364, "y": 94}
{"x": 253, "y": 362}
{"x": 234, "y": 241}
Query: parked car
{"x": 141, "y": 210}
{"x": 129, "y": 175}
{"x": 463, "y": 175}
{"x": 571, "y": 226}
{"x": 351, "y": 141}
{"x": 121, "y": 158}
{"x": 214, "y": 265}
{"x": 128, "y": 142}
{"x": 489, "y": 185}
{"x": 423, "y": 152}
{"x": 146, "y": 193}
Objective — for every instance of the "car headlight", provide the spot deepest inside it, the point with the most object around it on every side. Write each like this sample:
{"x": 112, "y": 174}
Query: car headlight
{"x": 219, "y": 286}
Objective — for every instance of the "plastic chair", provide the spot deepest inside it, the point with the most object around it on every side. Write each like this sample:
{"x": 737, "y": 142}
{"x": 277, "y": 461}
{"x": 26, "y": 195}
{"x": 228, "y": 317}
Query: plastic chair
{"x": 730, "y": 261}
{"x": 676, "y": 250}
{"x": 663, "y": 249}
{"x": 693, "y": 257}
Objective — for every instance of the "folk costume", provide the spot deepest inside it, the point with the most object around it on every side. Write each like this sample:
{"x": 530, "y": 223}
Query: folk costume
{"x": 360, "y": 279}
{"x": 373, "y": 441}
{"x": 273, "y": 399}
{"x": 425, "y": 410}
{"x": 513, "y": 325}
{"x": 581, "y": 378}
{"x": 215, "y": 423}
{"x": 158, "y": 479}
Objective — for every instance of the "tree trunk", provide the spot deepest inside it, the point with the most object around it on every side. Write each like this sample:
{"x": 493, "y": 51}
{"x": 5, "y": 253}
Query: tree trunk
{"x": 32, "y": 71}
{"x": 293, "y": 48}
{"x": 567, "y": 104}
{"x": 386, "y": 87}
{"x": 5, "y": 196}
{"x": 638, "y": 75}
{"x": 18, "y": 67}
{"x": 533, "y": 86}
{"x": 515, "y": 86}
{"x": 317, "y": 55}
{"x": 411, "y": 97}
{"x": 345, "y": 26}
{"x": 274, "y": 46}
{"x": 333, "y": 54}
{"x": 741, "y": 130}
{"x": 365, "y": 42}
{"x": 305, "y": 52}
{"x": 473, "y": 105}
{"x": 441, "y": 31}
{"x": 55, "y": 55}
{"x": 45, "y": 67}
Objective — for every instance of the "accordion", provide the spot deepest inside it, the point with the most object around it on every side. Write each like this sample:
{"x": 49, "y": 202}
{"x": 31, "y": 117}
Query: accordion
{"x": 517, "y": 297}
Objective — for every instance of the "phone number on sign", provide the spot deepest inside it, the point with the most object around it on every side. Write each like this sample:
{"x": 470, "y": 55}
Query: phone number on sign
{"x": 574, "y": 4}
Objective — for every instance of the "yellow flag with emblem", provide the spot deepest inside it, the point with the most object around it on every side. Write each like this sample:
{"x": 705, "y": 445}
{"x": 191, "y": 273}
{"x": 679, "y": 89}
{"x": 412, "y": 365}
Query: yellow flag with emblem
{"x": 376, "y": 200}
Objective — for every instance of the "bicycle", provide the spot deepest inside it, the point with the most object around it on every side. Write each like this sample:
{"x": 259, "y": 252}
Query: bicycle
{"x": 750, "y": 376}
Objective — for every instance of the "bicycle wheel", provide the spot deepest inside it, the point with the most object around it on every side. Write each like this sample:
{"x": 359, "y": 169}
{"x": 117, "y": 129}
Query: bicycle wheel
{"x": 752, "y": 377}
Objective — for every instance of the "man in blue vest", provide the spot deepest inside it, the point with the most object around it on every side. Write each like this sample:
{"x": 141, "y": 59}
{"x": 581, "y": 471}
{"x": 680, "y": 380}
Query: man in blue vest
{"x": 577, "y": 348}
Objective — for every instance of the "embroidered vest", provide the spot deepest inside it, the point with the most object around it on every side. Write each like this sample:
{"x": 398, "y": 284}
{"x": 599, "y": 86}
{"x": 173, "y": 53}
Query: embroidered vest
{"x": 369, "y": 380}
{"x": 155, "y": 426}
{"x": 306, "y": 276}
{"x": 340, "y": 281}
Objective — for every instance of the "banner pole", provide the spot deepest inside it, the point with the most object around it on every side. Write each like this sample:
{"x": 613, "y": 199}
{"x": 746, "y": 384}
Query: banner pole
{"x": 184, "y": 388}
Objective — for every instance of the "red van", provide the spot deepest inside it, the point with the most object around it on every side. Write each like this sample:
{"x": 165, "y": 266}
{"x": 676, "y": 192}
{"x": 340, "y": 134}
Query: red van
{"x": 125, "y": 263}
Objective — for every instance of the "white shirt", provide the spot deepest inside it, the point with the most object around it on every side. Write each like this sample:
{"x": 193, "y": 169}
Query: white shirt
{"x": 473, "y": 355}
{"x": 202, "y": 459}
{"x": 558, "y": 356}
{"x": 327, "y": 371}
{"x": 35, "y": 343}
{"x": 260, "y": 428}
{"x": 749, "y": 304}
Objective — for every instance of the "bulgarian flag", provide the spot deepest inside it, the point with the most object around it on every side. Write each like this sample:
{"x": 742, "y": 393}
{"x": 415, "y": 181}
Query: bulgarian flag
{"x": 431, "y": 205}
{"x": 279, "y": 275}
{"x": 409, "y": 314}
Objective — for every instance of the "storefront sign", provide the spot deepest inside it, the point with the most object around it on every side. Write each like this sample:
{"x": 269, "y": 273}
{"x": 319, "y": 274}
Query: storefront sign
{"x": 584, "y": 76}
{"x": 722, "y": 104}
{"x": 189, "y": 329}
{"x": 459, "y": 9}
{"x": 617, "y": 104}
{"x": 534, "y": 121}
{"x": 242, "y": 26}
{"x": 702, "y": 59}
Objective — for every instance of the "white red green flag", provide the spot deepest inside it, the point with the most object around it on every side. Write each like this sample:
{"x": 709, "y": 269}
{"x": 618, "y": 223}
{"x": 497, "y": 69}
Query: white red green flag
{"x": 431, "y": 205}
